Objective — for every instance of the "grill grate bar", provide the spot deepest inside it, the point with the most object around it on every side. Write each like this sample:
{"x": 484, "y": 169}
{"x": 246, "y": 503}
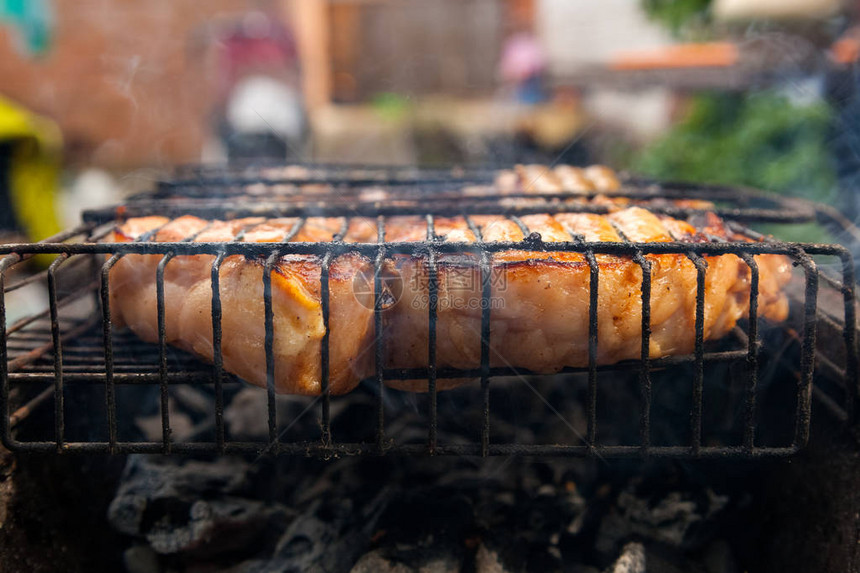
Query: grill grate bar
{"x": 523, "y": 227}
{"x": 217, "y": 334}
{"x": 107, "y": 326}
{"x": 321, "y": 173}
{"x": 352, "y": 449}
{"x": 162, "y": 351}
{"x": 30, "y": 354}
{"x": 14, "y": 257}
{"x": 593, "y": 294}
{"x": 593, "y": 298}
{"x": 32, "y": 363}
{"x": 5, "y": 263}
{"x": 379, "y": 332}
{"x": 57, "y": 344}
{"x": 269, "y": 318}
{"x": 432, "y": 310}
{"x": 35, "y": 278}
{"x": 325, "y": 389}
{"x": 645, "y": 369}
{"x": 451, "y": 207}
{"x": 217, "y": 356}
{"x": 162, "y": 342}
{"x": 699, "y": 352}
{"x": 624, "y": 249}
{"x": 752, "y": 355}
{"x": 807, "y": 356}
{"x": 61, "y": 302}
{"x": 849, "y": 334}
{"x": 203, "y": 377}
{"x": 645, "y": 353}
{"x": 486, "y": 306}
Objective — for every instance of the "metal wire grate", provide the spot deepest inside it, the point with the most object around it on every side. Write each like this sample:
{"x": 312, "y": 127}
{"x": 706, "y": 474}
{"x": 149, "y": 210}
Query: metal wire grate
{"x": 34, "y": 351}
{"x": 194, "y": 176}
{"x": 337, "y": 195}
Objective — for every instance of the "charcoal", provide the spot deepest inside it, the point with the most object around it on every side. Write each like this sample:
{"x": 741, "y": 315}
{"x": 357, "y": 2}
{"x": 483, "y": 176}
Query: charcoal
{"x": 181, "y": 424}
{"x": 375, "y": 562}
{"x": 190, "y": 411}
{"x": 141, "y": 559}
{"x": 194, "y": 400}
{"x": 530, "y": 532}
{"x": 328, "y": 536}
{"x": 426, "y": 530}
{"x": 489, "y": 561}
{"x": 247, "y": 418}
{"x": 671, "y": 519}
{"x": 446, "y": 514}
{"x": 192, "y": 507}
{"x": 668, "y": 560}
{"x": 247, "y": 414}
{"x": 489, "y": 516}
{"x": 718, "y": 558}
{"x": 213, "y": 527}
{"x": 632, "y": 560}
{"x": 419, "y": 558}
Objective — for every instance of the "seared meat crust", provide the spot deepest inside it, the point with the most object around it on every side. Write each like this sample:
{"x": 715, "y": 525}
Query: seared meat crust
{"x": 539, "y": 300}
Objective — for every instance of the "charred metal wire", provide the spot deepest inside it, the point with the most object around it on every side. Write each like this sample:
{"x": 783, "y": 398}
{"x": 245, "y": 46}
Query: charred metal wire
{"x": 699, "y": 374}
{"x": 208, "y": 176}
{"x": 379, "y": 326}
{"x": 256, "y": 192}
{"x": 807, "y": 356}
{"x": 270, "y": 352}
{"x": 57, "y": 344}
{"x": 110, "y": 377}
{"x": 752, "y": 355}
{"x": 100, "y": 367}
{"x": 217, "y": 356}
{"x": 433, "y": 292}
{"x": 107, "y": 326}
{"x": 325, "y": 390}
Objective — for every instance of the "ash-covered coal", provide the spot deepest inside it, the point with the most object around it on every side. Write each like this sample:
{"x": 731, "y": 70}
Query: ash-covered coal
{"x": 193, "y": 507}
{"x": 360, "y": 515}
{"x": 675, "y": 519}
{"x": 398, "y": 514}
{"x": 364, "y": 515}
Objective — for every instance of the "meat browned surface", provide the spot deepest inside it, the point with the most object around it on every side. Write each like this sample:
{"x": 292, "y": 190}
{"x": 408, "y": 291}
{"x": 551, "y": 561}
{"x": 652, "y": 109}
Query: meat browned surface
{"x": 297, "y": 314}
{"x": 558, "y": 178}
{"x": 539, "y": 299}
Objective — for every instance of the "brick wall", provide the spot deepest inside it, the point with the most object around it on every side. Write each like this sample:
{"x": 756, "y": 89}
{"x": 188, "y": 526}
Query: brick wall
{"x": 130, "y": 82}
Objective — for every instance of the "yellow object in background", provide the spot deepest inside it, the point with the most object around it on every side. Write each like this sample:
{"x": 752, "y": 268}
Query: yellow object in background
{"x": 34, "y": 169}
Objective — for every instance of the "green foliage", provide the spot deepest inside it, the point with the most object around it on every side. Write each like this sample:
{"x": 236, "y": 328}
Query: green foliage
{"x": 675, "y": 14}
{"x": 760, "y": 140}
{"x": 390, "y": 106}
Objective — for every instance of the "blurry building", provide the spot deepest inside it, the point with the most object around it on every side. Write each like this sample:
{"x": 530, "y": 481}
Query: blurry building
{"x": 129, "y": 83}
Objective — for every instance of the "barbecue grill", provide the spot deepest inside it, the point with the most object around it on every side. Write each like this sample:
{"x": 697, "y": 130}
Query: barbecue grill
{"x": 74, "y": 342}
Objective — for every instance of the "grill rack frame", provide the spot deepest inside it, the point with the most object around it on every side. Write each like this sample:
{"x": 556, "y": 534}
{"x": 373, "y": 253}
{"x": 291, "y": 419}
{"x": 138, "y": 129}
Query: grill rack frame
{"x": 212, "y": 198}
{"x": 249, "y": 172}
{"x": 431, "y": 248}
{"x": 430, "y": 193}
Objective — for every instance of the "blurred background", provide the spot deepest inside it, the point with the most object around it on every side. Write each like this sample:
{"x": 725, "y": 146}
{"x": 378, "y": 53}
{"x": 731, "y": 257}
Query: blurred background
{"x": 102, "y": 97}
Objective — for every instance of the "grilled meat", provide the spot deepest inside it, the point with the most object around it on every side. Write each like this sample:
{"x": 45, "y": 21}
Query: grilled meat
{"x": 522, "y": 186}
{"x": 557, "y": 179}
{"x": 297, "y": 316}
{"x": 539, "y": 299}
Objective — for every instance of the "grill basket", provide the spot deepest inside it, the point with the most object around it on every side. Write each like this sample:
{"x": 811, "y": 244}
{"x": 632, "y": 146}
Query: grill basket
{"x": 74, "y": 342}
